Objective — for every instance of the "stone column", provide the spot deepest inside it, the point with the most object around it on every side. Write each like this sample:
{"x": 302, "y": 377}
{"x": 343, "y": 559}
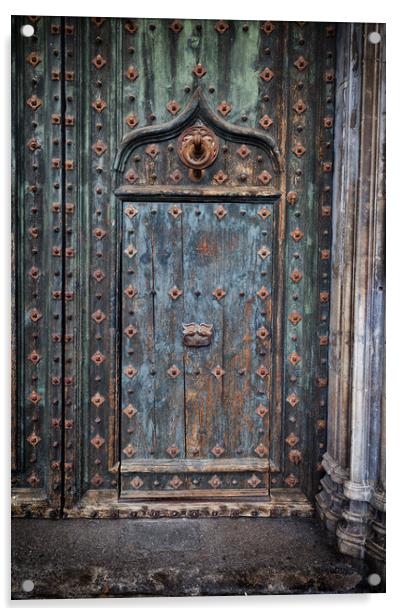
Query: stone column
{"x": 353, "y": 488}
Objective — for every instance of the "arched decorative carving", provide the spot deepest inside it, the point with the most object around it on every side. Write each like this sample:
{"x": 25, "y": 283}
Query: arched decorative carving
{"x": 198, "y": 139}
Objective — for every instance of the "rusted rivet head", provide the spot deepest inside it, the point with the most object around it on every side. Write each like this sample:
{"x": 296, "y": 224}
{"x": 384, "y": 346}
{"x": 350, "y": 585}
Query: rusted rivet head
{"x": 221, "y": 26}
{"x": 292, "y": 197}
{"x": 199, "y": 70}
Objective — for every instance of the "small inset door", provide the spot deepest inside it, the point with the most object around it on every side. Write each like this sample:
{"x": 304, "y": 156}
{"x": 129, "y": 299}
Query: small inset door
{"x": 196, "y": 361}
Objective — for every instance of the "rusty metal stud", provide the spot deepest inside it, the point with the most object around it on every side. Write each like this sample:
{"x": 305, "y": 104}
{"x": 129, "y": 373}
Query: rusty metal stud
{"x": 295, "y": 317}
{"x": 292, "y": 439}
{"x": 299, "y": 150}
{"x": 262, "y": 372}
{"x": 130, "y": 211}
{"x": 33, "y": 232}
{"x": 221, "y": 26}
{"x": 261, "y": 450}
{"x": 215, "y": 482}
{"x": 69, "y": 165}
{"x": 292, "y": 197}
{"x": 325, "y": 254}
{"x": 217, "y": 451}
{"x": 243, "y": 151}
{"x": 224, "y": 108}
{"x": 327, "y": 167}
{"x": 136, "y": 482}
{"x": 176, "y": 176}
{"x": 265, "y": 121}
{"x": 300, "y": 63}
{"x": 329, "y": 77}
{"x": 33, "y": 439}
{"x": 176, "y": 26}
{"x": 266, "y": 74}
{"x": 130, "y": 411}
{"x": 253, "y": 481}
{"x": 264, "y": 213}
{"x": 173, "y": 371}
{"x": 33, "y": 480}
{"x": 261, "y": 410}
{"x": 300, "y": 106}
{"x": 291, "y": 480}
{"x": 131, "y": 120}
{"x": 35, "y": 315}
{"x": 97, "y": 441}
{"x": 98, "y": 275}
{"x": 295, "y": 456}
{"x": 292, "y": 399}
{"x": 131, "y": 73}
{"x": 98, "y": 21}
{"x": 99, "y": 61}
{"x": 34, "y": 397}
{"x": 34, "y": 357}
{"x": 34, "y": 102}
{"x": 297, "y": 234}
{"x": 69, "y": 121}
{"x": 199, "y": 70}
{"x": 130, "y": 331}
{"x": 130, "y": 251}
{"x": 99, "y": 105}
{"x": 267, "y": 27}
{"x": 129, "y": 450}
{"x": 175, "y": 293}
{"x": 219, "y": 293}
{"x": 324, "y": 297}
{"x": 218, "y": 372}
{"x": 131, "y": 176}
{"x": 296, "y": 276}
{"x": 99, "y": 233}
{"x": 175, "y": 482}
{"x": 220, "y": 212}
{"x": 173, "y": 451}
{"x": 33, "y": 144}
{"x": 98, "y": 316}
{"x": 99, "y": 148}
{"x": 97, "y": 399}
{"x": 263, "y": 293}
{"x": 220, "y": 177}
{"x": 328, "y": 122}
{"x": 173, "y": 107}
{"x": 98, "y": 358}
{"x": 262, "y": 333}
{"x": 130, "y": 371}
{"x": 152, "y": 150}
{"x": 34, "y": 58}
{"x": 175, "y": 211}
{"x": 324, "y": 340}
{"x": 294, "y": 358}
{"x": 69, "y": 76}
{"x": 130, "y": 26}
{"x": 130, "y": 291}
{"x": 264, "y": 252}
{"x": 264, "y": 177}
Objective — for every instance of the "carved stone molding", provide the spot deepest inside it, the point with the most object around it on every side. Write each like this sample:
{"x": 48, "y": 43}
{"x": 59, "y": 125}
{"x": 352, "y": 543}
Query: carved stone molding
{"x": 352, "y": 499}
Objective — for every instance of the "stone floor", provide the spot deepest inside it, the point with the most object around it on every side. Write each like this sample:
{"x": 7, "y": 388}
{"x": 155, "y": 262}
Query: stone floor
{"x": 123, "y": 558}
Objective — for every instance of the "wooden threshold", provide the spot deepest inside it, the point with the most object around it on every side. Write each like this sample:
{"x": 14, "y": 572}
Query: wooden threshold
{"x": 280, "y": 503}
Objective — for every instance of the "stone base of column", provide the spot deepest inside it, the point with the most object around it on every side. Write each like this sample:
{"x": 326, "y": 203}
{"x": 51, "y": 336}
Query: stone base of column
{"x": 353, "y": 514}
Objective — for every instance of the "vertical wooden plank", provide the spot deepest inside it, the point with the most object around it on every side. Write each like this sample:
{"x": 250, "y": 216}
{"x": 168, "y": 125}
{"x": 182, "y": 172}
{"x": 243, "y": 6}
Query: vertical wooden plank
{"x": 167, "y": 272}
{"x": 138, "y": 429}
{"x": 203, "y": 276}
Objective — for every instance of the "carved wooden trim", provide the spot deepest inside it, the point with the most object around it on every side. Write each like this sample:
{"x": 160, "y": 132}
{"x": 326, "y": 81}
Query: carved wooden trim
{"x": 196, "y": 108}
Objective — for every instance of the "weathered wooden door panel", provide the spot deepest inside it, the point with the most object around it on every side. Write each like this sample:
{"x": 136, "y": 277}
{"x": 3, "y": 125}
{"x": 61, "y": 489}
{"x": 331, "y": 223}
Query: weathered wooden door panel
{"x": 200, "y": 411}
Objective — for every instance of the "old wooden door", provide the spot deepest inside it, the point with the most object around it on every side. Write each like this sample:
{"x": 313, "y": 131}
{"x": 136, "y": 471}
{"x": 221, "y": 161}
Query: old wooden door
{"x": 172, "y": 192}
